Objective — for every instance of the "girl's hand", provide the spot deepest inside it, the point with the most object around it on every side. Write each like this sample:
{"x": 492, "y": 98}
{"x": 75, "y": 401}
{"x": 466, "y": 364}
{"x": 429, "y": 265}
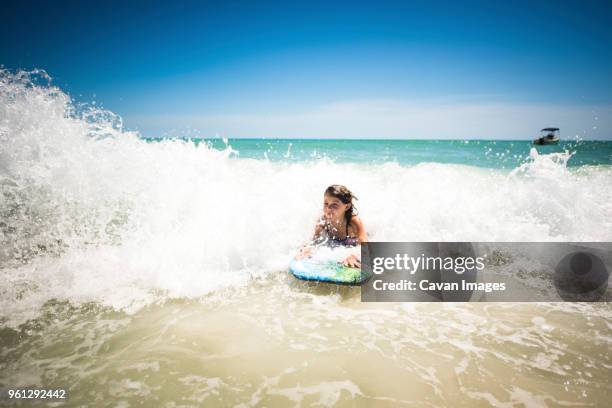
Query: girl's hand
{"x": 305, "y": 252}
{"x": 352, "y": 261}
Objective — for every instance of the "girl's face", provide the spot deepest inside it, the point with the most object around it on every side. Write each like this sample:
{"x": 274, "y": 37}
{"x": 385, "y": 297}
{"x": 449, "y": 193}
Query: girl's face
{"x": 333, "y": 209}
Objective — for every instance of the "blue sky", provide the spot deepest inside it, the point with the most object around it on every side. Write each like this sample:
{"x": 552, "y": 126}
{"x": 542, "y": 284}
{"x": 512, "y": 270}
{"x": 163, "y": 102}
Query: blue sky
{"x": 327, "y": 69}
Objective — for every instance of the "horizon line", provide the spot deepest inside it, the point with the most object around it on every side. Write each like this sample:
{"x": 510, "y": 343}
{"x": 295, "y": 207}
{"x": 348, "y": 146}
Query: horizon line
{"x": 361, "y": 139}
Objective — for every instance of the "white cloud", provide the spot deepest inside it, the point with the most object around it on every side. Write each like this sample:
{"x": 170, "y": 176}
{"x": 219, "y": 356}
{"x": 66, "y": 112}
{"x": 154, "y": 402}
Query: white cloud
{"x": 395, "y": 119}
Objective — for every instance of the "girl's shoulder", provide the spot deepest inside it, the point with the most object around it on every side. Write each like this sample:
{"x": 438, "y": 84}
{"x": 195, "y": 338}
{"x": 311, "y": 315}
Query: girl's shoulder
{"x": 356, "y": 223}
{"x": 355, "y": 219}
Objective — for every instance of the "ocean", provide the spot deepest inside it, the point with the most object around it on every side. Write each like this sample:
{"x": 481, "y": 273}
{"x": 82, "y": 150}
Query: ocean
{"x": 496, "y": 154}
{"x": 154, "y": 271}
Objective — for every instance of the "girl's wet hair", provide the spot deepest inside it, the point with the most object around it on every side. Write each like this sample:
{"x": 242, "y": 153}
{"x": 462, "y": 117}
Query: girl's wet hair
{"x": 346, "y": 196}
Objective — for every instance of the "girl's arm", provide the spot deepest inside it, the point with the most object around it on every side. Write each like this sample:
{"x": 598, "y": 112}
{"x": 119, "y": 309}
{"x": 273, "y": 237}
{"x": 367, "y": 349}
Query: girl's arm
{"x": 361, "y": 234}
{"x": 306, "y": 249}
{"x": 359, "y": 229}
{"x": 318, "y": 231}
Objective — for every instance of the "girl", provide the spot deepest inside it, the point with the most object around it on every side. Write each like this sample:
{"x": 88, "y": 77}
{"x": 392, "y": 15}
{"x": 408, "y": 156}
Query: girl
{"x": 339, "y": 224}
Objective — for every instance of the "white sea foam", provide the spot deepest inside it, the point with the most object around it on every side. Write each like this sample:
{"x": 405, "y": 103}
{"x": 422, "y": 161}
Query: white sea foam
{"x": 90, "y": 212}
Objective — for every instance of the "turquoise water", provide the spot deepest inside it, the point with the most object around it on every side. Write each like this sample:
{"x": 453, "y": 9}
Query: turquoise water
{"x": 483, "y": 153}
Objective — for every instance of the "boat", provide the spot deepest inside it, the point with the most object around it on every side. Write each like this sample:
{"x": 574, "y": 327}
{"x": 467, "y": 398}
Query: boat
{"x": 547, "y": 136}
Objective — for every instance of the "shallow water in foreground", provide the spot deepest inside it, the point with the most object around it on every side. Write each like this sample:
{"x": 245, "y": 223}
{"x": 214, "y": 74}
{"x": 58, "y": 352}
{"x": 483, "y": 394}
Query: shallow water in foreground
{"x": 278, "y": 341}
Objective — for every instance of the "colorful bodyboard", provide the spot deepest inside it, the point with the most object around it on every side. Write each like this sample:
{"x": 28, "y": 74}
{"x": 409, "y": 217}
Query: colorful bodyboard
{"x": 325, "y": 271}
